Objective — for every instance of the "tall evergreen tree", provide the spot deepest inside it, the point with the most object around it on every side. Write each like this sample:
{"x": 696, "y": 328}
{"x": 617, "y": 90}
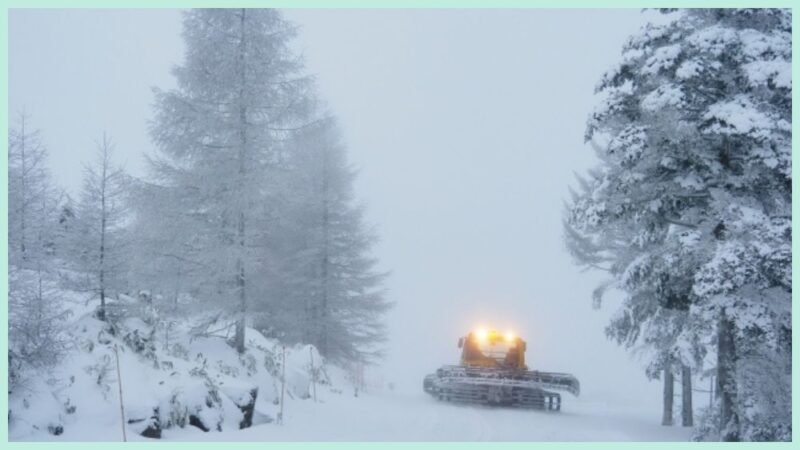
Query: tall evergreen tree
{"x": 35, "y": 312}
{"x": 219, "y": 133}
{"x": 158, "y": 260}
{"x": 99, "y": 241}
{"x": 31, "y": 196}
{"x": 326, "y": 284}
{"x": 690, "y": 208}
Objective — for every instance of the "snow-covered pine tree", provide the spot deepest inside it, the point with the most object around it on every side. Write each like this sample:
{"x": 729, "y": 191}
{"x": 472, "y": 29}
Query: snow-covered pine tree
{"x": 99, "y": 240}
{"x": 35, "y": 312}
{"x": 326, "y": 285}
{"x": 690, "y": 208}
{"x": 218, "y": 134}
{"x": 32, "y": 197}
{"x": 158, "y": 260}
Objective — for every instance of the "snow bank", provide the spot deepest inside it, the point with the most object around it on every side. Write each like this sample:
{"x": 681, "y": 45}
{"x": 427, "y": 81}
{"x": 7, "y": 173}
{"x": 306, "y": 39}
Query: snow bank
{"x": 167, "y": 383}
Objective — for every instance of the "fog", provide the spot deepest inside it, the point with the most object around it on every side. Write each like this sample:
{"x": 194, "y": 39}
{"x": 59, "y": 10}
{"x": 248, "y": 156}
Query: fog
{"x": 467, "y": 127}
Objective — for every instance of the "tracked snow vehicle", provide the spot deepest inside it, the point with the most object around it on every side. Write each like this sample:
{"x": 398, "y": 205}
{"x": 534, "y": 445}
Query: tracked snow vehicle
{"x": 493, "y": 372}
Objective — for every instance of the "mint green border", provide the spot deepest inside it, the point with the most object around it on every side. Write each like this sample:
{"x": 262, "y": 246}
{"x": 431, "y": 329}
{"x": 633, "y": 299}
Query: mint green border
{"x": 8, "y": 4}
{"x": 426, "y": 4}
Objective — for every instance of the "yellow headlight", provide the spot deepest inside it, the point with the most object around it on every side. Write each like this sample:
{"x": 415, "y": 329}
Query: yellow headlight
{"x": 482, "y": 335}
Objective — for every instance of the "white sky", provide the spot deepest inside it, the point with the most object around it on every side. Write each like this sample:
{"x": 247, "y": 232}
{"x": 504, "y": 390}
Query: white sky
{"x": 467, "y": 126}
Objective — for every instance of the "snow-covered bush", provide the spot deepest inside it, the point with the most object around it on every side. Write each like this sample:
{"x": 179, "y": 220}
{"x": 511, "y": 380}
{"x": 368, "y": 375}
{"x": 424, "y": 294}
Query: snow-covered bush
{"x": 35, "y": 325}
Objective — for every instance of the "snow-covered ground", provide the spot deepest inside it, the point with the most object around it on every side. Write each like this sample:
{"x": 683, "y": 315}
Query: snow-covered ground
{"x": 390, "y": 416}
{"x": 417, "y": 417}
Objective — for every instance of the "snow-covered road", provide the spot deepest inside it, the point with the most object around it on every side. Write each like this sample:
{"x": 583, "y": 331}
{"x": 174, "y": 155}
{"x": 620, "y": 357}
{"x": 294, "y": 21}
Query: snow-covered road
{"x": 393, "y": 416}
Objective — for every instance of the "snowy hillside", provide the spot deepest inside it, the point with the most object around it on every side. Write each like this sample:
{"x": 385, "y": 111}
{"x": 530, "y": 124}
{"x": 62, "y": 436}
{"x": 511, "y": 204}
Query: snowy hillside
{"x": 169, "y": 380}
{"x": 182, "y": 382}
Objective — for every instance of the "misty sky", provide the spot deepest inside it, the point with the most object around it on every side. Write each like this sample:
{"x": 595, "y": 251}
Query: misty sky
{"x": 467, "y": 126}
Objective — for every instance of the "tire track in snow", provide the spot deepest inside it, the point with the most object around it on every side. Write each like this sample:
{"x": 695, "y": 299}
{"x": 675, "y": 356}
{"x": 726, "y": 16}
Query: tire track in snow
{"x": 484, "y": 433}
{"x": 430, "y": 423}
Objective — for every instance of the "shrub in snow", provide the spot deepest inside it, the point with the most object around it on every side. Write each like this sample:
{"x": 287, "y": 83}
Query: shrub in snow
{"x": 35, "y": 325}
{"x": 144, "y": 421}
{"x": 100, "y": 372}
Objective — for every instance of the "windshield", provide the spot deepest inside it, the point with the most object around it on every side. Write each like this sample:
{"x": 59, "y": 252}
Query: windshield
{"x": 495, "y": 350}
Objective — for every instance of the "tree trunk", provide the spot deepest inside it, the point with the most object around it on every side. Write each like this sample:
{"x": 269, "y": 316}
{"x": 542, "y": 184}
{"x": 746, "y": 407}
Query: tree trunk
{"x": 687, "y": 417}
{"x": 101, "y": 314}
{"x": 240, "y": 322}
{"x": 323, "y": 326}
{"x": 240, "y": 264}
{"x": 726, "y": 383}
{"x": 666, "y": 418}
{"x": 23, "y": 187}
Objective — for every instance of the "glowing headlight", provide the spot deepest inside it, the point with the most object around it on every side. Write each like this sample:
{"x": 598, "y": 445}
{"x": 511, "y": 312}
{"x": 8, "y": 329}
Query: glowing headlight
{"x": 482, "y": 335}
{"x": 510, "y": 336}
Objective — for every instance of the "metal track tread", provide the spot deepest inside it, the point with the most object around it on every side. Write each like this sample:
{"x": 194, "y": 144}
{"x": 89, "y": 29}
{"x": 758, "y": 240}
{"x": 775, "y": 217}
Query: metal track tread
{"x": 500, "y": 387}
{"x": 490, "y": 394}
{"x": 544, "y": 380}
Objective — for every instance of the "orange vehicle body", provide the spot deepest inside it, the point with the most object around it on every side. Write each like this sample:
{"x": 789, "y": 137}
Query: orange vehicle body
{"x": 493, "y": 350}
